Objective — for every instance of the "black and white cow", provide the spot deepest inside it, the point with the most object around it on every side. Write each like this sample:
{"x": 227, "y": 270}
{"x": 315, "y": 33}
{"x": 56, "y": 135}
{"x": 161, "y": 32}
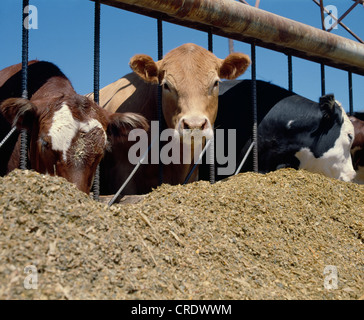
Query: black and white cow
{"x": 303, "y": 134}
{"x": 292, "y": 130}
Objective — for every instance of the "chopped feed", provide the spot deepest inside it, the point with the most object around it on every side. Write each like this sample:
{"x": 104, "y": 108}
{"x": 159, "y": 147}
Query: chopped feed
{"x": 284, "y": 235}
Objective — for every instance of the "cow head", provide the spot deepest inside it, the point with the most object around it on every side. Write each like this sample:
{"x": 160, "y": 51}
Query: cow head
{"x": 190, "y": 76}
{"x": 68, "y": 135}
{"x": 337, "y": 160}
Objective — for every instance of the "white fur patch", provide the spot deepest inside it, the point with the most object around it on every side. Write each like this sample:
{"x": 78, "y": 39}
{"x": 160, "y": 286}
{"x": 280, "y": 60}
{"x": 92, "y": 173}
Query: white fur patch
{"x": 289, "y": 124}
{"x": 64, "y": 128}
{"x": 331, "y": 164}
{"x": 89, "y": 125}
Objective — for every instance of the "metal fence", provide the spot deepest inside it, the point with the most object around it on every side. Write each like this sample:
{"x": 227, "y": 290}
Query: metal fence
{"x": 232, "y": 20}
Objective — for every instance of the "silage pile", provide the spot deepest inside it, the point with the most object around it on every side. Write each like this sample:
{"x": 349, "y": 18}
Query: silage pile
{"x": 251, "y": 237}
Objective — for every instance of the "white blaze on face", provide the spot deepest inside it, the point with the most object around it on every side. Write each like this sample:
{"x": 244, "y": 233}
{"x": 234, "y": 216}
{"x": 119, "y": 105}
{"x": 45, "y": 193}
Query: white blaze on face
{"x": 336, "y": 162}
{"x": 64, "y": 128}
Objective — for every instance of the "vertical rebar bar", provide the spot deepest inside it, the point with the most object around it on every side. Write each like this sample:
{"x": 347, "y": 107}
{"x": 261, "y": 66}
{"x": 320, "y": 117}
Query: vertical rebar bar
{"x": 212, "y": 176}
{"x": 24, "y": 81}
{"x": 231, "y": 45}
{"x": 97, "y": 18}
{"x": 159, "y": 97}
{"x": 323, "y": 86}
{"x": 351, "y": 104}
{"x": 254, "y": 105}
{"x": 209, "y": 41}
{"x": 290, "y": 73}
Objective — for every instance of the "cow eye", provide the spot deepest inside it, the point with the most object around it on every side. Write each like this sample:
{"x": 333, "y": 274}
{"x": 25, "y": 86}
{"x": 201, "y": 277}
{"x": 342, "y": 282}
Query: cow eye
{"x": 166, "y": 87}
{"x": 44, "y": 143}
{"x": 350, "y": 136}
{"x": 213, "y": 90}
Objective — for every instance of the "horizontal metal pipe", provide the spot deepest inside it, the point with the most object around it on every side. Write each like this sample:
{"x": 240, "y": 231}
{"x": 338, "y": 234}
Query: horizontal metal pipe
{"x": 237, "y": 21}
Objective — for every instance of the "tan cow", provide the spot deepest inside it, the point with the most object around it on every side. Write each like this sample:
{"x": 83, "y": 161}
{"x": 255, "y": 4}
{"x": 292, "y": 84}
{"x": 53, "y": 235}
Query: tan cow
{"x": 189, "y": 76}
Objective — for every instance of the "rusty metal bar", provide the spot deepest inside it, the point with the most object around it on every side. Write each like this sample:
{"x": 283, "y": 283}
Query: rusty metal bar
{"x": 322, "y": 15}
{"x": 235, "y": 20}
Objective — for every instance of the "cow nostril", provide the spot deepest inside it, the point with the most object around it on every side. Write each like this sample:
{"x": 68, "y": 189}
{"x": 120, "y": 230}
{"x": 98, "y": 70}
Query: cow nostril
{"x": 185, "y": 125}
{"x": 194, "y": 124}
{"x": 204, "y": 125}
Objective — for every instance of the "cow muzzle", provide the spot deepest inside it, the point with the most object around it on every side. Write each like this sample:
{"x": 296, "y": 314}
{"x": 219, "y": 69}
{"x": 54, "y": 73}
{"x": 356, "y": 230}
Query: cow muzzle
{"x": 193, "y": 129}
{"x": 348, "y": 176}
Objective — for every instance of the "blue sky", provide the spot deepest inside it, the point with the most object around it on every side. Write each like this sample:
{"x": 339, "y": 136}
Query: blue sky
{"x": 65, "y": 37}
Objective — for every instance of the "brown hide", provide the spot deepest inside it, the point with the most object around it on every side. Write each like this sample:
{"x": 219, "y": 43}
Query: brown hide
{"x": 357, "y": 149}
{"x": 68, "y": 133}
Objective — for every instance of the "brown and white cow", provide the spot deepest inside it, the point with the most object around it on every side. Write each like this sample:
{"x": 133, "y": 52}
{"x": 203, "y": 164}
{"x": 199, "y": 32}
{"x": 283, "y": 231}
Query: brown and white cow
{"x": 189, "y": 76}
{"x": 67, "y": 133}
{"x": 357, "y": 148}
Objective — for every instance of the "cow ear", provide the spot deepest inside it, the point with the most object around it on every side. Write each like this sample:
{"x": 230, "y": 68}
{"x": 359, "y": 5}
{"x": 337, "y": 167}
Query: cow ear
{"x": 234, "y": 65}
{"x": 19, "y": 112}
{"x": 327, "y": 105}
{"x": 120, "y": 124}
{"x": 145, "y": 67}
